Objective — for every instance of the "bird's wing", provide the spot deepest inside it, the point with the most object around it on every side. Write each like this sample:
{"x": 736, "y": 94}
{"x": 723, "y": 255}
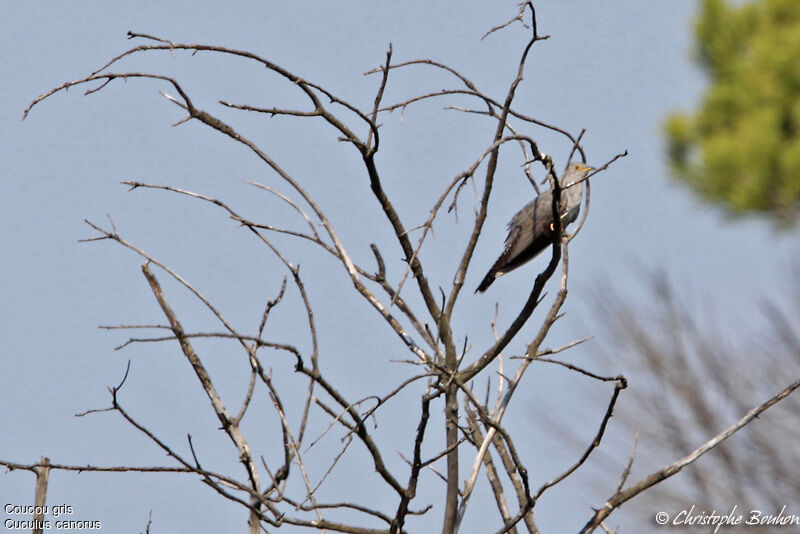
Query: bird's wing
{"x": 528, "y": 232}
{"x": 538, "y": 210}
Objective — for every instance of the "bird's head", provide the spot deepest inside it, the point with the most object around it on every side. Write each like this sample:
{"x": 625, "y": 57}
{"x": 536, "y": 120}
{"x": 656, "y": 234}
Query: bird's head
{"x": 575, "y": 173}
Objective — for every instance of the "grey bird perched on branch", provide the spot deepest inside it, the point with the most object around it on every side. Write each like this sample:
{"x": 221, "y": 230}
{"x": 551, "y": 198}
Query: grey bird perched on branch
{"x": 530, "y": 231}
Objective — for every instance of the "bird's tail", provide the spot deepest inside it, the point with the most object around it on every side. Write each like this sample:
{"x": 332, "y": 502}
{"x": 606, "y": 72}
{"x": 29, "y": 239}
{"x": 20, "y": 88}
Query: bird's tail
{"x": 487, "y": 281}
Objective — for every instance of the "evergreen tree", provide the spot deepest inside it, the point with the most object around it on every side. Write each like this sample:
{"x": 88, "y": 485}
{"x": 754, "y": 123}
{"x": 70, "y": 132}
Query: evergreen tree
{"x": 741, "y": 149}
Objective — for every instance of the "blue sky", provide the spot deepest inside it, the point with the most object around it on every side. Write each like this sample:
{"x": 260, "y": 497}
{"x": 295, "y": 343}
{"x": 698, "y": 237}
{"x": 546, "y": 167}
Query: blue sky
{"x": 614, "y": 68}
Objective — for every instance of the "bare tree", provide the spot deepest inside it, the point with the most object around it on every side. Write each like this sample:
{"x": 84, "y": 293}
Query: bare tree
{"x": 421, "y": 318}
{"x": 695, "y": 374}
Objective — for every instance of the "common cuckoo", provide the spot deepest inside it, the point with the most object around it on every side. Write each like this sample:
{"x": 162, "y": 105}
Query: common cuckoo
{"x": 530, "y": 231}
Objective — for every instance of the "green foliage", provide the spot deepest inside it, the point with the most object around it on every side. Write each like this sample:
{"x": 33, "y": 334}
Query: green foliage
{"x": 741, "y": 149}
